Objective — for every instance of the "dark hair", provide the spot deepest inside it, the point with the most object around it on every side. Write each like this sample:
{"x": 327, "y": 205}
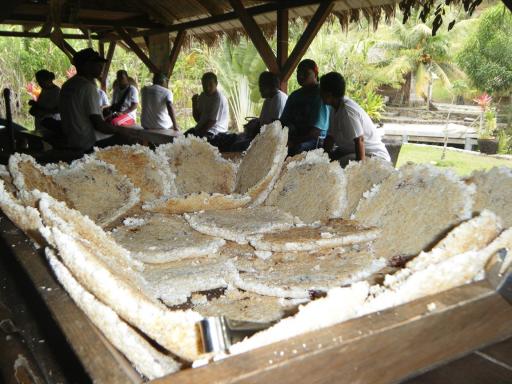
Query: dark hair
{"x": 159, "y": 78}
{"x": 269, "y": 79}
{"x": 209, "y": 76}
{"x": 308, "y": 63}
{"x": 44, "y": 75}
{"x": 333, "y": 83}
{"x": 121, "y": 72}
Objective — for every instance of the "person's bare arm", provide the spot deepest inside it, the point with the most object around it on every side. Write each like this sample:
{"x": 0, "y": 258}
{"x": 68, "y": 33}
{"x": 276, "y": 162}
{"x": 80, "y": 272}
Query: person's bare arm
{"x": 328, "y": 144}
{"x": 131, "y": 108}
{"x": 101, "y": 125}
{"x": 172, "y": 114}
{"x": 360, "y": 150}
{"x": 202, "y": 129}
{"x": 195, "y": 110}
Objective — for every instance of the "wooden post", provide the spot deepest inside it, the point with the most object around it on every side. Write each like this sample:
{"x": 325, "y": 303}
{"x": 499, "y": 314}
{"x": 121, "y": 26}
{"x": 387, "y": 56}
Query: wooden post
{"x": 135, "y": 48}
{"x": 159, "y": 48}
{"x": 106, "y": 68}
{"x": 176, "y": 48}
{"x": 307, "y": 37}
{"x": 256, "y": 35}
{"x": 282, "y": 43}
{"x": 8, "y": 119}
{"x": 101, "y": 48}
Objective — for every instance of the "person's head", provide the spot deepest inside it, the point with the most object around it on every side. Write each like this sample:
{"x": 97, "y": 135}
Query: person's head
{"x": 268, "y": 84}
{"x": 45, "y": 78}
{"x": 332, "y": 88}
{"x": 122, "y": 78}
{"x": 160, "y": 79}
{"x": 89, "y": 63}
{"x": 209, "y": 83}
{"x": 307, "y": 73}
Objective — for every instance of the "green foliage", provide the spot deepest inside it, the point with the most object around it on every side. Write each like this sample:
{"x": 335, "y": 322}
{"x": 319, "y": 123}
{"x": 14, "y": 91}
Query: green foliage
{"x": 487, "y": 55}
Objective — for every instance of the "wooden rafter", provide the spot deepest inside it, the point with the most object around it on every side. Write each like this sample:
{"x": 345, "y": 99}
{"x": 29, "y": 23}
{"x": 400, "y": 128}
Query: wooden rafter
{"x": 38, "y": 35}
{"x": 256, "y": 35}
{"x": 154, "y": 10}
{"x": 508, "y": 3}
{"x": 228, "y": 16}
{"x": 57, "y": 38}
{"x": 176, "y": 48}
{"x": 8, "y": 7}
{"x": 212, "y": 7}
{"x": 135, "y": 48}
{"x": 307, "y": 37}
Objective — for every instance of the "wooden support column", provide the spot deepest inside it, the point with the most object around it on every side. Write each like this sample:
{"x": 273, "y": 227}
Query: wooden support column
{"x": 256, "y": 35}
{"x": 307, "y": 37}
{"x": 176, "y": 48}
{"x": 101, "y": 48}
{"x": 159, "y": 48}
{"x": 106, "y": 68}
{"x": 135, "y": 48}
{"x": 282, "y": 43}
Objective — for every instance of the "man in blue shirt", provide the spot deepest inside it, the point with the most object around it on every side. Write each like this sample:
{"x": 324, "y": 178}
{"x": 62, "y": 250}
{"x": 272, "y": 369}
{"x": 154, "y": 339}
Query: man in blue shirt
{"x": 305, "y": 115}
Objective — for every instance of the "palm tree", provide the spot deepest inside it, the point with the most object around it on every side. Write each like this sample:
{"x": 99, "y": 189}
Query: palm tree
{"x": 413, "y": 54}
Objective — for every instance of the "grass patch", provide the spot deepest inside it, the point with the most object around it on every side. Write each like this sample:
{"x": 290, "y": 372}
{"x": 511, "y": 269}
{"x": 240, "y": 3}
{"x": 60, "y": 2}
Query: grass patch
{"x": 462, "y": 163}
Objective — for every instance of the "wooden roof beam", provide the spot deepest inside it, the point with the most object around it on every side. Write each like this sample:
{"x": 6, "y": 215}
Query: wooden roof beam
{"x": 8, "y": 7}
{"x": 135, "y": 48}
{"x": 212, "y": 7}
{"x": 229, "y": 16}
{"x": 38, "y": 35}
{"x": 307, "y": 37}
{"x": 57, "y": 38}
{"x": 256, "y": 35}
{"x": 176, "y": 48}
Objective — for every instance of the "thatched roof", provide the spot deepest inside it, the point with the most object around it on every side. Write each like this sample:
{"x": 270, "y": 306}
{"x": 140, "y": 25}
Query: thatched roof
{"x": 204, "y": 19}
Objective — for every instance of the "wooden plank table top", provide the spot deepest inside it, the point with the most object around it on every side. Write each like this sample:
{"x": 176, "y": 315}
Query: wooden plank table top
{"x": 151, "y": 136}
{"x": 383, "y": 347}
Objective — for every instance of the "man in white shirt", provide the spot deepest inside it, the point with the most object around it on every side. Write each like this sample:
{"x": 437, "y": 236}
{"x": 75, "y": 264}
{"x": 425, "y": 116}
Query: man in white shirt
{"x": 210, "y": 109}
{"x": 350, "y": 127}
{"x": 79, "y": 105}
{"x": 273, "y": 106}
{"x": 275, "y": 99}
{"x": 157, "y": 109}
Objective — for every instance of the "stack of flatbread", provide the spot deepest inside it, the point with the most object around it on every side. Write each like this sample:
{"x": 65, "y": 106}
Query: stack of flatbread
{"x": 148, "y": 242}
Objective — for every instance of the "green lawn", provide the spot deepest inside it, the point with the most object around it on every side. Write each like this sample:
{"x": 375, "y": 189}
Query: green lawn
{"x": 460, "y": 162}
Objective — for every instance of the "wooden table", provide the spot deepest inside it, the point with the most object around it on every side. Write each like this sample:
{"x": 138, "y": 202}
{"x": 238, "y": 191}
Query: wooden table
{"x": 150, "y": 136}
{"x": 383, "y": 347}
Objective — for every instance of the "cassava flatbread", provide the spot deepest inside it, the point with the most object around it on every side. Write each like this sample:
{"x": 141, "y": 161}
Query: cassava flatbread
{"x": 5, "y": 176}
{"x": 237, "y": 224}
{"x": 297, "y": 274}
{"x": 313, "y": 189}
{"x": 243, "y": 306}
{"x": 146, "y": 359}
{"x": 494, "y": 192}
{"x": 24, "y": 217}
{"x": 146, "y": 170}
{"x": 27, "y": 176}
{"x": 198, "y": 166}
{"x": 361, "y": 177}
{"x": 57, "y": 214}
{"x": 174, "y": 330}
{"x": 261, "y": 165}
{"x": 195, "y": 202}
{"x": 414, "y": 208}
{"x": 97, "y": 190}
{"x": 159, "y": 238}
{"x": 339, "y": 305}
{"x": 335, "y": 233}
{"x": 173, "y": 283}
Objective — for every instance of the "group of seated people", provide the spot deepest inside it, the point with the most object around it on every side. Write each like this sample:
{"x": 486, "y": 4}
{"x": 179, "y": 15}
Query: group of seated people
{"x": 318, "y": 114}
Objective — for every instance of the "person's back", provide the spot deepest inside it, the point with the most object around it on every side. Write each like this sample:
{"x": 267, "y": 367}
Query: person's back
{"x": 273, "y": 108}
{"x": 78, "y": 100}
{"x": 214, "y": 107}
{"x": 155, "y": 114}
